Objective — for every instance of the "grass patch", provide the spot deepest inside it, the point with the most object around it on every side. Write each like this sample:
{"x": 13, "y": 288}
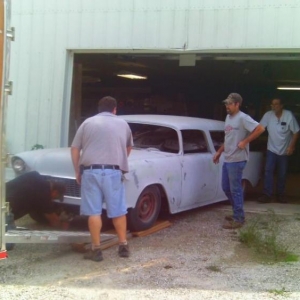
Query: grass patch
{"x": 213, "y": 268}
{"x": 261, "y": 234}
{"x": 291, "y": 257}
{"x": 281, "y": 292}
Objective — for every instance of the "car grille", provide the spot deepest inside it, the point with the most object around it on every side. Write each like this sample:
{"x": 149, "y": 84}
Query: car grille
{"x": 72, "y": 187}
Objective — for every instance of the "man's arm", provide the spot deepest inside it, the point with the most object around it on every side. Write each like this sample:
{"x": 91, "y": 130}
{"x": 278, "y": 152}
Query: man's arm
{"x": 259, "y": 129}
{"x": 128, "y": 150}
{"x": 292, "y": 145}
{"x": 218, "y": 154}
{"x": 75, "y": 154}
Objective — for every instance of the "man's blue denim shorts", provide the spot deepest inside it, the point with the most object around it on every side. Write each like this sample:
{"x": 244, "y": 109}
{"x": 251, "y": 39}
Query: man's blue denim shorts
{"x": 102, "y": 185}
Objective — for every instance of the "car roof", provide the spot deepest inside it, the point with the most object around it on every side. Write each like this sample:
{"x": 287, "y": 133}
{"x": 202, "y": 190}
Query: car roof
{"x": 179, "y": 122}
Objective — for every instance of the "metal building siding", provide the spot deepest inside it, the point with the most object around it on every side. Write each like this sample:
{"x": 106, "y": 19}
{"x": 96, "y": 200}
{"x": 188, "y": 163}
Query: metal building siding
{"x": 45, "y": 30}
{"x": 38, "y": 73}
{"x": 257, "y": 27}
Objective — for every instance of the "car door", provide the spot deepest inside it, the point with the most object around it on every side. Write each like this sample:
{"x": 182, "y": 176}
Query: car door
{"x": 199, "y": 174}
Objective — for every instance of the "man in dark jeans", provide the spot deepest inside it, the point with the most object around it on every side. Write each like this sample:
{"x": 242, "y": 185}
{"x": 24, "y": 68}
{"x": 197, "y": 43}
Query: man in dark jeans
{"x": 283, "y": 130}
{"x": 32, "y": 193}
{"x": 240, "y": 130}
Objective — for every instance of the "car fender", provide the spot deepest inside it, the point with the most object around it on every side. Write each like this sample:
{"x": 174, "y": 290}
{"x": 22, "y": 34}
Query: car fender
{"x": 253, "y": 169}
{"x": 163, "y": 172}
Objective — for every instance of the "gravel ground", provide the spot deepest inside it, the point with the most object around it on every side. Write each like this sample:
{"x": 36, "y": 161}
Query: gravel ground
{"x": 193, "y": 259}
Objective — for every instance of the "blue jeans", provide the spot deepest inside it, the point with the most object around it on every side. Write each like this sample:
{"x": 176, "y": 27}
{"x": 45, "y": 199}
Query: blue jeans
{"x": 232, "y": 187}
{"x": 273, "y": 161}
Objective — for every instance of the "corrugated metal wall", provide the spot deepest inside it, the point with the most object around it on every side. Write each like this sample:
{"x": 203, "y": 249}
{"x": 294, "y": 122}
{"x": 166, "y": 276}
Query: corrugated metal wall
{"x": 46, "y": 29}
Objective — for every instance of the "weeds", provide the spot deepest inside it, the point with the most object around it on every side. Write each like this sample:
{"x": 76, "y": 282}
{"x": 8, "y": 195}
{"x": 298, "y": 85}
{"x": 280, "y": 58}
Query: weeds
{"x": 213, "y": 268}
{"x": 281, "y": 292}
{"x": 261, "y": 234}
{"x": 291, "y": 257}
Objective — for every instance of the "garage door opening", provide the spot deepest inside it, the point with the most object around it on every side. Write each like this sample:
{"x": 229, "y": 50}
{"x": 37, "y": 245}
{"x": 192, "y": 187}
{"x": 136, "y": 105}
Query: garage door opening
{"x": 175, "y": 85}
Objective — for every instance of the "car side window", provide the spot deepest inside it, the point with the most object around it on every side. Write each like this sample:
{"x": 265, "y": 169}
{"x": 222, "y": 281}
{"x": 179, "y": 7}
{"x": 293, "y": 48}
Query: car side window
{"x": 154, "y": 137}
{"x": 194, "y": 141}
{"x": 217, "y": 138}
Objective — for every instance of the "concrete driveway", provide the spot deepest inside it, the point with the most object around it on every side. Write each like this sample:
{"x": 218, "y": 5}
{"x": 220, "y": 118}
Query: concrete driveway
{"x": 252, "y": 206}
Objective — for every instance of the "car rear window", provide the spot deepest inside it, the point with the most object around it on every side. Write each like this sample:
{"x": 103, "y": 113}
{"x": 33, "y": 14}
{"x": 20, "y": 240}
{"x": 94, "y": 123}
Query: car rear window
{"x": 217, "y": 138}
{"x": 194, "y": 141}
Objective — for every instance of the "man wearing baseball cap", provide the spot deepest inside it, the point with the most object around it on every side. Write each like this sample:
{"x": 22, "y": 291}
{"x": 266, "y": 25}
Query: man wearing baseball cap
{"x": 240, "y": 130}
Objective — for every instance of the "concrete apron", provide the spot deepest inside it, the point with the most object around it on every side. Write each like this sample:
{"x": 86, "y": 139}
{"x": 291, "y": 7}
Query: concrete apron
{"x": 262, "y": 208}
{"x": 292, "y": 195}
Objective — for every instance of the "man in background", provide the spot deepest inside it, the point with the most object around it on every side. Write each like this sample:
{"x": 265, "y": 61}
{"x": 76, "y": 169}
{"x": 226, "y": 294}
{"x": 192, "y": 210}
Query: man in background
{"x": 283, "y": 132}
{"x": 99, "y": 153}
{"x": 240, "y": 130}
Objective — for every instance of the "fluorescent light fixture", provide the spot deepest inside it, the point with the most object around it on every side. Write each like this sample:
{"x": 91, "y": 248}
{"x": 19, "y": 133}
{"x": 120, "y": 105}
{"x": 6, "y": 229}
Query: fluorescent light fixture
{"x": 291, "y": 88}
{"x": 130, "y": 75}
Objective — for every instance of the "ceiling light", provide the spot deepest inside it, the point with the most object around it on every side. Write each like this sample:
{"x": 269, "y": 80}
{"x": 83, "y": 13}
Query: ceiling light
{"x": 130, "y": 75}
{"x": 291, "y": 88}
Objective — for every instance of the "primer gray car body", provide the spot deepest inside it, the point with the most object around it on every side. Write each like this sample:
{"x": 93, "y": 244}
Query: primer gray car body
{"x": 172, "y": 153}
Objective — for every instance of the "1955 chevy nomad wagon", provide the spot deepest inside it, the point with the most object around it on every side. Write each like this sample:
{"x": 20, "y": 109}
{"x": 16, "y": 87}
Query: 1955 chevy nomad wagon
{"x": 171, "y": 167}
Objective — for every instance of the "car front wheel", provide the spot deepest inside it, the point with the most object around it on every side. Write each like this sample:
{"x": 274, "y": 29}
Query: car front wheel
{"x": 146, "y": 210}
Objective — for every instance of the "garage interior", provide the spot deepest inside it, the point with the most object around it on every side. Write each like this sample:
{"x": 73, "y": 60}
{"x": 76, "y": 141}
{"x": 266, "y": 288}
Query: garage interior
{"x": 185, "y": 84}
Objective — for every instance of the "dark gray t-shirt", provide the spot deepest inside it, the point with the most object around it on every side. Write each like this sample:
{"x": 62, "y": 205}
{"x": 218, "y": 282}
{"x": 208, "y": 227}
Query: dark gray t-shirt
{"x": 237, "y": 128}
{"x": 104, "y": 139}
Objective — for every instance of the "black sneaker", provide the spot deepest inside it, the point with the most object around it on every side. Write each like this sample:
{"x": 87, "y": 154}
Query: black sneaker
{"x": 123, "y": 250}
{"x": 95, "y": 255}
{"x": 264, "y": 199}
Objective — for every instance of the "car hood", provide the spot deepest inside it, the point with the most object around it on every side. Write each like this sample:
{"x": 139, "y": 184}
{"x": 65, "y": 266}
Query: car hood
{"x": 58, "y": 162}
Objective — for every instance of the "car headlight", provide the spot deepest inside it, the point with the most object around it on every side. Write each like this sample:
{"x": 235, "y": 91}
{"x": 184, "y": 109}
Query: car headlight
{"x": 18, "y": 164}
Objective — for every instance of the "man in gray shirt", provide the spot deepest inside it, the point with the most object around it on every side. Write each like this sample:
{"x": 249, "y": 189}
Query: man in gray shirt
{"x": 99, "y": 154}
{"x": 240, "y": 130}
{"x": 283, "y": 130}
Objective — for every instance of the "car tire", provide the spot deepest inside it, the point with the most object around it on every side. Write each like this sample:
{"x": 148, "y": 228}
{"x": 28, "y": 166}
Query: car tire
{"x": 146, "y": 210}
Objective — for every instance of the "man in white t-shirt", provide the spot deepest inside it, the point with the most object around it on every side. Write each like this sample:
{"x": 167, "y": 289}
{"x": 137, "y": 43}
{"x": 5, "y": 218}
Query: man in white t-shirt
{"x": 283, "y": 130}
{"x": 240, "y": 130}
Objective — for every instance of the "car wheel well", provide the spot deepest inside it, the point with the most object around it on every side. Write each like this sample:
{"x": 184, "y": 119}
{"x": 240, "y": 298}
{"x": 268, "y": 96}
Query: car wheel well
{"x": 146, "y": 210}
{"x": 246, "y": 184}
{"x": 165, "y": 209}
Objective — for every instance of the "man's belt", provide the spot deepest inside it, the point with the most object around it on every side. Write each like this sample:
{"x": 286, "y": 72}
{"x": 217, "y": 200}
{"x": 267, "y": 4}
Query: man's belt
{"x": 92, "y": 167}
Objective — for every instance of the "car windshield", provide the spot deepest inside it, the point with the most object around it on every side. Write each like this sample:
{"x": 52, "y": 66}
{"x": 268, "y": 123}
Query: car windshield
{"x": 154, "y": 137}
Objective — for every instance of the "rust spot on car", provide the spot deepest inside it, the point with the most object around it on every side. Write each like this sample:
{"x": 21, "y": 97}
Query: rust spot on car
{"x": 135, "y": 179}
